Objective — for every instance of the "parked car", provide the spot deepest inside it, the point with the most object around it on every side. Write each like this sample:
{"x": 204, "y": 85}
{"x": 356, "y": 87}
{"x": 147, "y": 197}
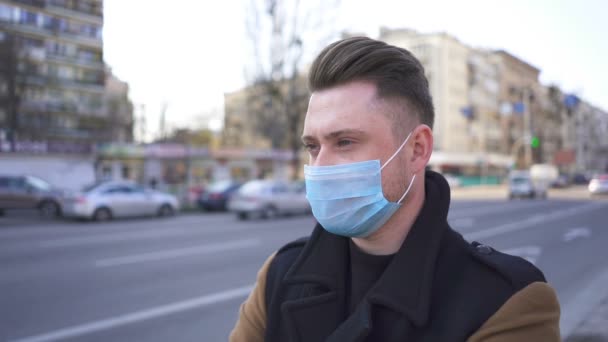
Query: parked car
{"x": 580, "y": 178}
{"x": 107, "y": 200}
{"x": 28, "y": 192}
{"x": 216, "y": 195}
{"x": 268, "y": 199}
{"x": 599, "y": 185}
{"x": 562, "y": 181}
{"x": 522, "y": 185}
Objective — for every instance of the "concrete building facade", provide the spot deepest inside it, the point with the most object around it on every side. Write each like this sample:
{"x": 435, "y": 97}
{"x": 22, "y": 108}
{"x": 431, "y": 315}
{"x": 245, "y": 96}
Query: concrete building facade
{"x": 53, "y": 78}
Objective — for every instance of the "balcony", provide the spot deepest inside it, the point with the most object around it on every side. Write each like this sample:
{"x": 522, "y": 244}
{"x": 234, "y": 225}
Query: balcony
{"x": 53, "y": 34}
{"x": 33, "y": 3}
{"x": 38, "y": 106}
{"x": 76, "y": 60}
{"x": 77, "y": 84}
{"x": 71, "y": 133}
{"x": 91, "y": 12}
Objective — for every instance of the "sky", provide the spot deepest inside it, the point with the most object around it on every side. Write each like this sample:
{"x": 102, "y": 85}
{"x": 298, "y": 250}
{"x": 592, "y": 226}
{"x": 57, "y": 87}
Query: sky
{"x": 186, "y": 54}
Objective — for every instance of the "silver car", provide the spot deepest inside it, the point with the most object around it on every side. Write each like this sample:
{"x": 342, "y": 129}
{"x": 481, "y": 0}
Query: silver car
{"x": 27, "y": 192}
{"x": 108, "y": 200}
{"x": 268, "y": 199}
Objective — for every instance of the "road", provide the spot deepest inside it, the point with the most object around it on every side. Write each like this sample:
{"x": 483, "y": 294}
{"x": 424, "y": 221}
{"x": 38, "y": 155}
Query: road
{"x": 183, "y": 278}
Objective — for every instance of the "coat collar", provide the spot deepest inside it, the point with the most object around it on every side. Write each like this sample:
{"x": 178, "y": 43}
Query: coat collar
{"x": 405, "y": 286}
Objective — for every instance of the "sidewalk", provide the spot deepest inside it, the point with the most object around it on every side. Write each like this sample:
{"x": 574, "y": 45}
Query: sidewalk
{"x": 594, "y": 328}
{"x": 495, "y": 192}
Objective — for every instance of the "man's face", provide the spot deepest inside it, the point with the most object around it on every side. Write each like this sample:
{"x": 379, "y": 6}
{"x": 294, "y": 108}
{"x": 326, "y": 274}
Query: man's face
{"x": 347, "y": 124}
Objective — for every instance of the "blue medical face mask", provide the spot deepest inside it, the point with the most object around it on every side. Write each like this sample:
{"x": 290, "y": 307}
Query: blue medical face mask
{"x": 347, "y": 199}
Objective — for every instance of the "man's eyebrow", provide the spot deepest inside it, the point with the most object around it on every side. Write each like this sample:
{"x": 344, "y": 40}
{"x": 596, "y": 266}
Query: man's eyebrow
{"x": 335, "y": 134}
{"x": 349, "y": 131}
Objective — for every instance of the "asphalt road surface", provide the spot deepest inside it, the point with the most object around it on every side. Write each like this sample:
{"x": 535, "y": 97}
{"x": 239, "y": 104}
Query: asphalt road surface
{"x": 183, "y": 278}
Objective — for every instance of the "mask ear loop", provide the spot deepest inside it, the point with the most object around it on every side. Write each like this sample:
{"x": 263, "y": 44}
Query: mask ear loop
{"x": 408, "y": 190}
{"x": 396, "y": 152}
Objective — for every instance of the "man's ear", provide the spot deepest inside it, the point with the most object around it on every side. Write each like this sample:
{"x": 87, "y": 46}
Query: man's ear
{"x": 422, "y": 137}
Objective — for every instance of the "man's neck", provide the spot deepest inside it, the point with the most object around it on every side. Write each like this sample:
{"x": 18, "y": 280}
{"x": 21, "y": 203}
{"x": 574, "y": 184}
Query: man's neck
{"x": 389, "y": 238}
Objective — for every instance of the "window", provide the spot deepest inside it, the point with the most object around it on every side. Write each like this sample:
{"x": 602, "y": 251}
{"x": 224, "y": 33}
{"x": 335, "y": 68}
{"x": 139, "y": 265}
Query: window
{"x": 32, "y": 42}
{"x": 106, "y": 172}
{"x": 38, "y": 184}
{"x": 28, "y": 18}
{"x": 279, "y": 189}
{"x": 6, "y": 12}
{"x": 66, "y": 72}
{"x": 120, "y": 189}
{"x": 126, "y": 172}
{"x": 138, "y": 190}
{"x": 89, "y": 55}
{"x": 13, "y": 183}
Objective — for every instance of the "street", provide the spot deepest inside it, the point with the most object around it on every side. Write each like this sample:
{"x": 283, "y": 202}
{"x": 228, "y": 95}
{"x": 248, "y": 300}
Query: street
{"x": 183, "y": 278}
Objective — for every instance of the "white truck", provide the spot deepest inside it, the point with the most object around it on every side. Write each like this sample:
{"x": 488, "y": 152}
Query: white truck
{"x": 532, "y": 183}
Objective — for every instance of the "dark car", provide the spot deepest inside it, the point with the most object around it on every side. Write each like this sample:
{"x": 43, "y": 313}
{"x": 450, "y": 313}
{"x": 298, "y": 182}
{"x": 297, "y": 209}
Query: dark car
{"x": 562, "y": 181}
{"x": 27, "y": 192}
{"x": 580, "y": 178}
{"x": 215, "y": 197}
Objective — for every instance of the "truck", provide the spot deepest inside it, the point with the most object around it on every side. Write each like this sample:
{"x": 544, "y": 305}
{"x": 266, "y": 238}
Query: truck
{"x": 532, "y": 183}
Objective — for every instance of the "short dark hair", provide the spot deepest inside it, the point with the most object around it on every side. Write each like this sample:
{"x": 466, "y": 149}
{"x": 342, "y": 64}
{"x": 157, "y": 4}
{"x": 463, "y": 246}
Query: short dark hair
{"x": 396, "y": 73}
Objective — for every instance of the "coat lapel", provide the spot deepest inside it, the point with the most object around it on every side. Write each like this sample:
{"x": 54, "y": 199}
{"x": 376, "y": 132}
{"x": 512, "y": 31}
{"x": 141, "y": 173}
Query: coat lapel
{"x": 319, "y": 276}
{"x": 406, "y": 284}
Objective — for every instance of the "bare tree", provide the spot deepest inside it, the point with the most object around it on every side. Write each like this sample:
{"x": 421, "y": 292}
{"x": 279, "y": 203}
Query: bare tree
{"x": 282, "y": 35}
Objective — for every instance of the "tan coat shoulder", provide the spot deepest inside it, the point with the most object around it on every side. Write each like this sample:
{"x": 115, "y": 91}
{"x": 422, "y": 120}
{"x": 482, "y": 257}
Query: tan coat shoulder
{"x": 531, "y": 314}
{"x": 251, "y": 325}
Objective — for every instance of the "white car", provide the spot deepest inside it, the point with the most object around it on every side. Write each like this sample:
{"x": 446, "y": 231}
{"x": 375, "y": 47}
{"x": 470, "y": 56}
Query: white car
{"x": 268, "y": 199}
{"x": 599, "y": 185}
{"x": 108, "y": 200}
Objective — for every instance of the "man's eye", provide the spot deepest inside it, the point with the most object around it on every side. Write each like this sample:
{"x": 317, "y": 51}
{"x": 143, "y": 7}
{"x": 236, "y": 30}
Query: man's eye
{"x": 344, "y": 143}
{"x": 310, "y": 147}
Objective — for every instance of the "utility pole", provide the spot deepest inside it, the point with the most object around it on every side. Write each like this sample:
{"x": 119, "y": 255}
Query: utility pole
{"x": 163, "y": 123}
{"x": 142, "y": 123}
{"x": 527, "y": 127}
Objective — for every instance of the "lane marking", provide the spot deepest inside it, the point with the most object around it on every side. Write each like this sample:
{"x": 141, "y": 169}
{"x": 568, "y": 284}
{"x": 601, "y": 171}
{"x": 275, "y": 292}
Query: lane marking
{"x": 465, "y": 222}
{"x": 530, "y": 253}
{"x": 532, "y": 221}
{"x": 498, "y": 208}
{"x": 576, "y": 233}
{"x": 175, "y": 253}
{"x": 87, "y": 240}
{"x": 138, "y": 316}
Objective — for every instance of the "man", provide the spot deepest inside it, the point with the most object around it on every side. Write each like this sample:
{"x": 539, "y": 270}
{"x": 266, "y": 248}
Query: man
{"x": 382, "y": 264}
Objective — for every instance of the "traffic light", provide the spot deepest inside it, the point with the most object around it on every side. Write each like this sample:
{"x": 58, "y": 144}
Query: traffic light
{"x": 535, "y": 142}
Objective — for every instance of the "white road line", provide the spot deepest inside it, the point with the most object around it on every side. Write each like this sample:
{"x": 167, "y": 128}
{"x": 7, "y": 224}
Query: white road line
{"x": 498, "y": 208}
{"x": 530, "y": 253}
{"x": 465, "y": 222}
{"x": 532, "y": 221}
{"x": 576, "y": 233}
{"x": 174, "y": 253}
{"x": 88, "y": 240}
{"x": 139, "y": 316}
